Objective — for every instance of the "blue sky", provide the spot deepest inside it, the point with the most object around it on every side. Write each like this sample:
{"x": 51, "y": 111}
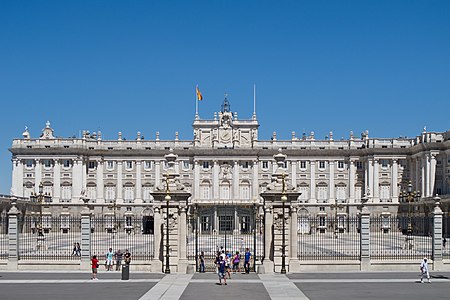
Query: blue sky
{"x": 133, "y": 65}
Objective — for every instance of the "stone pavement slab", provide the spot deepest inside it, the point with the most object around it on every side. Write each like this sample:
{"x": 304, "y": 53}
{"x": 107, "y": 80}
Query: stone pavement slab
{"x": 280, "y": 287}
{"x": 171, "y": 287}
{"x": 233, "y": 290}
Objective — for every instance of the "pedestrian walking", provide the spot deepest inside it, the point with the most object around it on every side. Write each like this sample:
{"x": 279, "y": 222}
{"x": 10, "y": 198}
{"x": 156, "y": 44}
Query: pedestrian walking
{"x": 118, "y": 256}
{"x": 78, "y": 249}
{"x": 94, "y": 266}
{"x": 109, "y": 259}
{"x": 74, "y": 250}
{"x": 247, "y": 258}
{"x": 221, "y": 270}
{"x": 236, "y": 261}
{"x": 202, "y": 262}
{"x": 424, "y": 270}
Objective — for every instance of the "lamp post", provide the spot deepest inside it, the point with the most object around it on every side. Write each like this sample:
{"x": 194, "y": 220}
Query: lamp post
{"x": 283, "y": 245}
{"x": 167, "y": 198}
{"x": 114, "y": 228}
{"x": 409, "y": 196}
{"x": 40, "y": 198}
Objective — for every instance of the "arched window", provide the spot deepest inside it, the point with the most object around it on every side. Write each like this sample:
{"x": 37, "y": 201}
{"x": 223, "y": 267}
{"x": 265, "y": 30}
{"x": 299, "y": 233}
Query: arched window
{"x": 147, "y": 190}
{"x": 245, "y": 190}
{"x": 66, "y": 192}
{"x": 91, "y": 191}
{"x": 225, "y": 190}
{"x": 110, "y": 192}
{"x": 341, "y": 192}
{"x": 303, "y": 188}
{"x": 128, "y": 192}
{"x": 205, "y": 189}
{"x": 322, "y": 192}
{"x": 48, "y": 189}
{"x": 358, "y": 190}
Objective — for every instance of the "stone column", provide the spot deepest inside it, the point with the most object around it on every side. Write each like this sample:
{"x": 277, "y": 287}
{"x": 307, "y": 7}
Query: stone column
{"x": 394, "y": 181}
{"x": 236, "y": 180}
{"x": 182, "y": 240}
{"x": 427, "y": 175}
{"x": 351, "y": 181}
{"x": 423, "y": 177}
{"x": 312, "y": 185}
{"x": 294, "y": 263}
{"x": 158, "y": 251}
{"x": 17, "y": 176}
{"x": 332, "y": 185}
{"x": 85, "y": 238}
{"x": 157, "y": 173}
{"x": 56, "y": 181}
{"x": 215, "y": 180}
{"x": 268, "y": 265}
{"x": 294, "y": 173}
{"x": 364, "y": 235}
{"x": 100, "y": 183}
{"x": 196, "y": 180}
{"x": 255, "y": 183}
{"x": 138, "y": 182}
{"x": 432, "y": 176}
{"x": 369, "y": 175}
{"x": 77, "y": 179}
{"x": 119, "y": 194}
{"x": 37, "y": 175}
{"x": 417, "y": 168}
{"x": 437, "y": 235}
{"x": 13, "y": 237}
{"x": 376, "y": 185}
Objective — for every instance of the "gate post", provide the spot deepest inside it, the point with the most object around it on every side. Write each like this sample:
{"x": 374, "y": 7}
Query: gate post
{"x": 157, "y": 249}
{"x": 85, "y": 238}
{"x": 13, "y": 236}
{"x": 182, "y": 240}
{"x": 267, "y": 266}
{"x": 364, "y": 235}
{"x": 294, "y": 262}
{"x": 437, "y": 235}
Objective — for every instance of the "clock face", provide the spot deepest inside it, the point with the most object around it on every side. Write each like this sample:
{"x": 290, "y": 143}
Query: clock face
{"x": 225, "y": 135}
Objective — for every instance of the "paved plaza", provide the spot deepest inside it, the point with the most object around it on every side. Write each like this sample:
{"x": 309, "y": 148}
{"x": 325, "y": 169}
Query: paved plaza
{"x": 146, "y": 286}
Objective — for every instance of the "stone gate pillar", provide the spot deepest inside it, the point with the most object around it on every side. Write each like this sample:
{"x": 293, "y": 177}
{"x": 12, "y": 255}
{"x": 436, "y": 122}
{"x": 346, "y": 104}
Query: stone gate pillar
{"x": 13, "y": 236}
{"x": 364, "y": 227}
{"x": 437, "y": 235}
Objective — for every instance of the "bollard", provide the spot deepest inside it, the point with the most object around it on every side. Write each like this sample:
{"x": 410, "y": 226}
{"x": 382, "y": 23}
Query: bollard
{"x": 126, "y": 272}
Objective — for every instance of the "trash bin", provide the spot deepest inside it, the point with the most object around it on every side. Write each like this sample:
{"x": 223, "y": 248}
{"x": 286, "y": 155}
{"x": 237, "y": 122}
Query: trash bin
{"x": 125, "y": 272}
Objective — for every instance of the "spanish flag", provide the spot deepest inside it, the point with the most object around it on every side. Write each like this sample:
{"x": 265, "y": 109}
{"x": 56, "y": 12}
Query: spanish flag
{"x": 199, "y": 95}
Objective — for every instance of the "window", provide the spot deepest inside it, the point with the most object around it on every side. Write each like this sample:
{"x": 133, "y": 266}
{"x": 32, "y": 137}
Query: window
{"x": 359, "y": 165}
{"x": 385, "y": 193}
{"x": 148, "y": 165}
{"x": 129, "y": 165}
{"x": 384, "y": 163}
{"x": 206, "y": 165}
{"x": 265, "y": 164}
{"x": 225, "y": 191}
{"x": 66, "y": 193}
{"x": 128, "y": 194}
{"x": 304, "y": 190}
{"x": 322, "y": 192}
{"x": 303, "y": 165}
{"x": 147, "y": 194}
{"x": 110, "y": 193}
{"x": 204, "y": 189}
{"x": 47, "y": 163}
{"x": 245, "y": 191}
{"x": 91, "y": 193}
{"x": 110, "y": 165}
{"x": 186, "y": 165}
{"x": 245, "y": 165}
{"x": 341, "y": 191}
{"x": 92, "y": 165}
{"x": 205, "y": 223}
{"x": 321, "y": 164}
{"x": 29, "y": 163}
{"x": 67, "y": 163}
{"x": 340, "y": 164}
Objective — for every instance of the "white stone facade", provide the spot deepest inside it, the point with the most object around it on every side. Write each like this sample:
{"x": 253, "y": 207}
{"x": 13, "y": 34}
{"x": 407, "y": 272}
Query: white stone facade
{"x": 226, "y": 162}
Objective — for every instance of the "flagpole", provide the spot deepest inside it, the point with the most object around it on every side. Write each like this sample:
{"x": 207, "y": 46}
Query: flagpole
{"x": 196, "y": 103}
{"x": 254, "y": 101}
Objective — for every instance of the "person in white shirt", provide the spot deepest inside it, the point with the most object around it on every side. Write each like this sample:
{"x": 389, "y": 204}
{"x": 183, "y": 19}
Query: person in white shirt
{"x": 424, "y": 270}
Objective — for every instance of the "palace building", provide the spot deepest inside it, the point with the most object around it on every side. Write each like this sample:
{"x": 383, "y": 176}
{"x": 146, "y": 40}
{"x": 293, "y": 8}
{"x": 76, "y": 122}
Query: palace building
{"x": 226, "y": 167}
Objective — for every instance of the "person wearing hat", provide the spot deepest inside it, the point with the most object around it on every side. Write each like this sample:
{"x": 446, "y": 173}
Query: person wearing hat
{"x": 424, "y": 270}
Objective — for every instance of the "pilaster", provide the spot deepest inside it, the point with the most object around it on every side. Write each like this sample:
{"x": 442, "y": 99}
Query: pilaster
{"x": 119, "y": 195}
{"x": 294, "y": 262}
{"x": 394, "y": 181}
{"x": 100, "y": 183}
{"x": 376, "y": 179}
{"x": 312, "y": 185}
{"x": 56, "y": 181}
{"x": 332, "y": 185}
{"x": 138, "y": 182}
{"x": 13, "y": 237}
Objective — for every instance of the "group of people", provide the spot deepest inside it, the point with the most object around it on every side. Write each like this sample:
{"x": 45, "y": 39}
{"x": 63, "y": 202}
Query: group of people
{"x": 76, "y": 249}
{"x": 228, "y": 262}
{"x": 110, "y": 258}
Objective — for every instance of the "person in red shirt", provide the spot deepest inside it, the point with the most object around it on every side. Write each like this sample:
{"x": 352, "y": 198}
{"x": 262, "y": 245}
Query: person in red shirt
{"x": 94, "y": 263}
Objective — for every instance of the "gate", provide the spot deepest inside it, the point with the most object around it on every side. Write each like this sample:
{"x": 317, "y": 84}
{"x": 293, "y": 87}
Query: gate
{"x": 228, "y": 228}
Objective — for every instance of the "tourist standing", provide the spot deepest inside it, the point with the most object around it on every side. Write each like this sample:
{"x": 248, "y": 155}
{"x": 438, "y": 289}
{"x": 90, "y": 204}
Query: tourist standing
{"x": 236, "y": 261}
{"x": 221, "y": 270}
{"x": 94, "y": 266}
{"x": 127, "y": 257}
{"x": 109, "y": 259}
{"x": 247, "y": 259}
{"x": 118, "y": 255}
{"x": 202, "y": 262}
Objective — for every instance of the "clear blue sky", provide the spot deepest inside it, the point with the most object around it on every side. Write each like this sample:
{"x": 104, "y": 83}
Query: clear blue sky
{"x": 133, "y": 65}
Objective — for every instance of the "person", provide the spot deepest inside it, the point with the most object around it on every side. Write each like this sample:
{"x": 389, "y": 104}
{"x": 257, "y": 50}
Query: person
{"x": 109, "y": 259}
{"x": 94, "y": 265}
{"x": 236, "y": 261}
{"x": 228, "y": 263}
{"x": 424, "y": 270}
{"x": 127, "y": 257}
{"x": 444, "y": 242}
{"x": 202, "y": 262}
{"x": 118, "y": 255}
{"x": 78, "y": 250}
{"x": 221, "y": 270}
{"x": 74, "y": 250}
{"x": 247, "y": 258}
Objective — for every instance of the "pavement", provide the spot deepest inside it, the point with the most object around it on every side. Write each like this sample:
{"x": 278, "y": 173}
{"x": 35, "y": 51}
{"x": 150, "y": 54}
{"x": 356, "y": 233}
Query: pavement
{"x": 148, "y": 286}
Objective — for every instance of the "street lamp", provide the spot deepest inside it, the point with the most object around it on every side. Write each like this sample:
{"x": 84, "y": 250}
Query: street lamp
{"x": 167, "y": 198}
{"x": 40, "y": 198}
{"x": 283, "y": 245}
{"x": 409, "y": 196}
{"x": 113, "y": 206}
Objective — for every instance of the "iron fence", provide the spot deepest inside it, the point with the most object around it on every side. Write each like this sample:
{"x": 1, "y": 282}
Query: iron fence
{"x": 4, "y": 242}
{"x": 122, "y": 233}
{"x": 325, "y": 237}
{"x": 233, "y": 241}
{"x": 56, "y": 240}
{"x": 390, "y": 238}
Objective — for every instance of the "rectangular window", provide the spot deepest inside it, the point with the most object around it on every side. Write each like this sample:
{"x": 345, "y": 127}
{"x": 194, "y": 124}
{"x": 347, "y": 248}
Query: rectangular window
{"x": 47, "y": 163}
{"x": 265, "y": 164}
{"x": 340, "y": 164}
{"x": 321, "y": 164}
{"x": 245, "y": 165}
{"x": 147, "y": 165}
{"x": 129, "y": 165}
{"x": 303, "y": 165}
{"x": 66, "y": 163}
{"x": 92, "y": 165}
{"x": 206, "y": 165}
{"x": 359, "y": 165}
{"x": 110, "y": 165}
{"x": 29, "y": 163}
{"x": 186, "y": 165}
{"x": 384, "y": 163}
